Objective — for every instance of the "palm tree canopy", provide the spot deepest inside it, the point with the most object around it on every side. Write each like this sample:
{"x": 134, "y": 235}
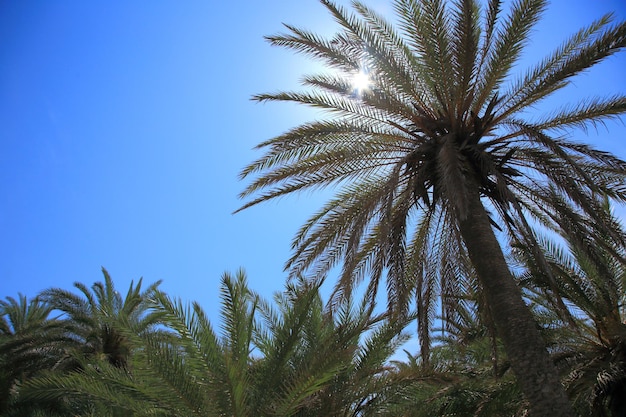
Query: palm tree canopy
{"x": 444, "y": 116}
{"x": 591, "y": 276}
{"x": 294, "y": 359}
{"x": 31, "y": 342}
{"x": 21, "y": 315}
{"x": 95, "y": 316}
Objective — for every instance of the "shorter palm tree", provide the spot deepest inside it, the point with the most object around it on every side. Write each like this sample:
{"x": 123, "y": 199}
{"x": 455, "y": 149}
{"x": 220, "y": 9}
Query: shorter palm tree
{"x": 30, "y": 343}
{"x": 298, "y": 359}
{"x": 344, "y": 342}
{"x": 467, "y": 374}
{"x": 590, "y": 273}
{"x": 94, "y": 318}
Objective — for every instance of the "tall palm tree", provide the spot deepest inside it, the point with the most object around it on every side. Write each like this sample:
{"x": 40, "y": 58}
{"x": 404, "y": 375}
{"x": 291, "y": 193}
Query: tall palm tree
{"x": 439, "y": 152}
{"x": 96, "y": 317}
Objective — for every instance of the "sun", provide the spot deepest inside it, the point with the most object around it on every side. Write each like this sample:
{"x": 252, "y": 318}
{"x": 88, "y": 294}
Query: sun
{"x": 360, "y": 81}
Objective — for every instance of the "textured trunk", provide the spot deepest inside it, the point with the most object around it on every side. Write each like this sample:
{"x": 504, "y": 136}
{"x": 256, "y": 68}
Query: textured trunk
{"x": 536, "y": 374}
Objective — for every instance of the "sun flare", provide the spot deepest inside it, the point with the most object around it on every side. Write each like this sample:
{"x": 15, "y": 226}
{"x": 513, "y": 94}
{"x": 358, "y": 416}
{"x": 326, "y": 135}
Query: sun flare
{"x": 360, "y": 81}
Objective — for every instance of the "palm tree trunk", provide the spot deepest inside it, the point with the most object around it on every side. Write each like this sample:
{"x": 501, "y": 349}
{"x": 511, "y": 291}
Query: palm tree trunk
{"x": 536, "y": 374}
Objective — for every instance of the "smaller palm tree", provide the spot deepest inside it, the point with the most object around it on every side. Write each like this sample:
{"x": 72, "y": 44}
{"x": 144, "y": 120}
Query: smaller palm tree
{"x": 468, "y": 374}
{"x": 590, "y": 273}
{"x": 30, "y": 342}
{"x": 296, "y": 359}
{"x": 344, "y": 344}
{"x": 95, "y": 317}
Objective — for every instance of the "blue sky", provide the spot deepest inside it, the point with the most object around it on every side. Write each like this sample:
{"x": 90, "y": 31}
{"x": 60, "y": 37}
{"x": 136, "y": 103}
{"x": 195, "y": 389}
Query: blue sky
{"x": 124, "y": 124}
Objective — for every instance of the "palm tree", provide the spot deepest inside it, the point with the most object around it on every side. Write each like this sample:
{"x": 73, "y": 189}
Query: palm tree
{"x": 296, "y": 361}
{"x": 440, "y": 152}
{"x": 30, "y": 343}
{"x": 195, "y": 371}
{"x": 95, "y": 318}
{"x": 460, "y": 382}
{"x": 345, "y": 340}
{"x": 467, "y": 374}
{"x": 591, "y": 275}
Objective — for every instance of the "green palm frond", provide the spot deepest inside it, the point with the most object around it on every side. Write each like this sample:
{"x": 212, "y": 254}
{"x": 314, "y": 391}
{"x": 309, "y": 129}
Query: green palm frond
{"x": 589, "y": 271}
{"x": 460, "y": 381}
{"x": 296, "y": 357}
{"x": 31, "y": 342}
{"x": 97, "y": 317}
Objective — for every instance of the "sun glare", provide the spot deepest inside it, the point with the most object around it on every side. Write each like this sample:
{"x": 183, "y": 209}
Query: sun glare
{"x": 360, "y": 81}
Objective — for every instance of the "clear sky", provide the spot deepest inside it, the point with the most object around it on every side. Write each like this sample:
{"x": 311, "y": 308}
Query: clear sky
{"x": 124, "y": 124}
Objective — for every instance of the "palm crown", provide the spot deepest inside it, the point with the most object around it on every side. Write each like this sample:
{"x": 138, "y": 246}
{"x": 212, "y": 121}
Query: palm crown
{"x": 96, "y": 316}
{"x": 441, "y": 120}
